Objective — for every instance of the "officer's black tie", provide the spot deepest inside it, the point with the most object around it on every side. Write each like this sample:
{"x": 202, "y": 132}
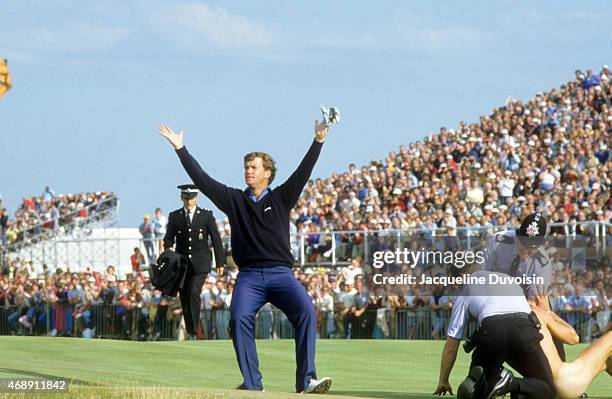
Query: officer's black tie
{"x": 513, "y": 273}
{"x": 513, "y": 268}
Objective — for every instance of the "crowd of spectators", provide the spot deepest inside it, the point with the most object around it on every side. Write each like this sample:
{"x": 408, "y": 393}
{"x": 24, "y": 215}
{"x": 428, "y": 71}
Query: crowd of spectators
{"x": 550, "y": 153}
{"x": 42, "y": 216}
{"x": 105, "y": 304}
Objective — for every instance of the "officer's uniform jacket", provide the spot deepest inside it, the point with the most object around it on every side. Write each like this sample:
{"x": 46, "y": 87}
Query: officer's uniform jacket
{"x": 501, "y": 253}
{"x": 192, "y": 240}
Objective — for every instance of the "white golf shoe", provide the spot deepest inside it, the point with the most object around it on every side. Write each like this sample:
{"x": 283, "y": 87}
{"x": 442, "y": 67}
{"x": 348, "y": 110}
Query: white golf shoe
{"x": 318, "y": 386}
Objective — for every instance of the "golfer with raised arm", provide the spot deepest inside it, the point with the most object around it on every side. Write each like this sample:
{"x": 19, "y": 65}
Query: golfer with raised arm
{"x": 259, "y": 219}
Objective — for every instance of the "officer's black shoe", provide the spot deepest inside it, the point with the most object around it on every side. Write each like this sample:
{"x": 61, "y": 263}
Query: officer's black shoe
{"x": 193, "y": 337}
{"x": 502, "y": 386}
{"x": 472, "y": 384}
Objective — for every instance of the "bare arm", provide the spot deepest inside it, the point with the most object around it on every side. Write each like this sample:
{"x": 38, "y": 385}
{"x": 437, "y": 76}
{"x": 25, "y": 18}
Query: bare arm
{"x": 562, "y": 330}
{"x": 556, "y": 325}
{"x": 449, "y": 355}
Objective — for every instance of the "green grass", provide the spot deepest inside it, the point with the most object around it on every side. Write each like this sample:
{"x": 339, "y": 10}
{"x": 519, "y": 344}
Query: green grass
{"x": 120, "y": 369}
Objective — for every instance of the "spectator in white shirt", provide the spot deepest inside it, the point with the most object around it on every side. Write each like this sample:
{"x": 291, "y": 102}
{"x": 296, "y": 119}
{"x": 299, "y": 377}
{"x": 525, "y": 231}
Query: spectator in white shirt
{"x": 474, "y": 194}
{"x": 506, "y": 186}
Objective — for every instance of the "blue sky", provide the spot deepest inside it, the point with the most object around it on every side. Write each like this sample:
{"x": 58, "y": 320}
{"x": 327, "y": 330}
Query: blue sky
{"x": 93, "y": 80}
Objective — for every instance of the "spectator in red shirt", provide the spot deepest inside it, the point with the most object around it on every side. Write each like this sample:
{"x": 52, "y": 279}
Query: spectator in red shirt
{"x": 137, "y": 260}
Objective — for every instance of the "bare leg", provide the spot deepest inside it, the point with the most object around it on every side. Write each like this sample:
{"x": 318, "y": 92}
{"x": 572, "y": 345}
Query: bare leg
{"x": 595, "y": 356}
{"x": 574, "y": 378}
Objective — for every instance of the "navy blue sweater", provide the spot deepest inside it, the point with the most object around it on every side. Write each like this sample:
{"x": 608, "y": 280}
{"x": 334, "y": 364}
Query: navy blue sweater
{"x": 260, "y": 231}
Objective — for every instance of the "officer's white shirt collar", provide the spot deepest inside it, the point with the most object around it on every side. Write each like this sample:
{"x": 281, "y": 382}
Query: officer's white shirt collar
{"x": 190, "y": 213}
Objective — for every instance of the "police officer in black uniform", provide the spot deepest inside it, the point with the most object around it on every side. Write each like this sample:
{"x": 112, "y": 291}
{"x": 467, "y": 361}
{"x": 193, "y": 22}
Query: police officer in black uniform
{"x": 190, "y": 227}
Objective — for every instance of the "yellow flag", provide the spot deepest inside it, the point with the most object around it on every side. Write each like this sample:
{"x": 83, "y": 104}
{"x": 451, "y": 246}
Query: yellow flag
{"x": 5, "y": 77}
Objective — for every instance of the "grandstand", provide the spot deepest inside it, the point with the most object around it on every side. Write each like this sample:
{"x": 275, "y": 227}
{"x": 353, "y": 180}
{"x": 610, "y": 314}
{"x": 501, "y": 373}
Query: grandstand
{"x": 52, "y": 229}
{"x": 549, "y": 153}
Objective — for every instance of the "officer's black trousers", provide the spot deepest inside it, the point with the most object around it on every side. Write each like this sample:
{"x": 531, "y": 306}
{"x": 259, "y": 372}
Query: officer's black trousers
{"x": 190, "y": 296}
{"x": 514, "y": 340}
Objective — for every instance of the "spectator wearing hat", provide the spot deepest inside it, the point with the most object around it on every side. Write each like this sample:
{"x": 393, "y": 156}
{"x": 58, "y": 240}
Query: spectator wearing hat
{"x": 190, "y": 227}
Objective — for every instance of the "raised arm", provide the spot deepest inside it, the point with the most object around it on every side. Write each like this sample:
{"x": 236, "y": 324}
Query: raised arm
{"x": 217, "y": 192}
{"x": 291, "y": 189}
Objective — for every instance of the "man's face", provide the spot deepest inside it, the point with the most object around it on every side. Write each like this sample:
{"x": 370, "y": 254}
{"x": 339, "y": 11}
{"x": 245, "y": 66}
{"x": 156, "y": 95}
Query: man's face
{"x": 254, "y": 173}
{"x": 189, "y": 202}
{"x": 525, "y": 251}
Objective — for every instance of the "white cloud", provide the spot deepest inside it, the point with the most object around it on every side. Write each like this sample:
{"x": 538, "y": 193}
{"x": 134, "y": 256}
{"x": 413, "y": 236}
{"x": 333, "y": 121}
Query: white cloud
{"x": 70, "y": 38}
{"x": 195, "y": 25}
{"x": 413, "y": 35}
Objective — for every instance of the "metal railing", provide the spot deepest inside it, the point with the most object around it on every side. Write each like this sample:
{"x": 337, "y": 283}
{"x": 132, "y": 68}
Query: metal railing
{"x": 331, "y": 248}
{"x": 334, "y": 248}
{"x": 164, "y": 322}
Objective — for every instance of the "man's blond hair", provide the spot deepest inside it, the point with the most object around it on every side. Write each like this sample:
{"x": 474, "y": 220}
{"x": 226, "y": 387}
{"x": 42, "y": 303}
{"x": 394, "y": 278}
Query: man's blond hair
{"x": 266, "y": 160}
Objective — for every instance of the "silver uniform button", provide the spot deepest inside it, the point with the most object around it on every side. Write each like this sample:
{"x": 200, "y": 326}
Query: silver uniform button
{"x": 190, "y": 248}
{"x": 190, "y": 230}
{"x": 190, "y": 255}
{"x": 189, "y": 238}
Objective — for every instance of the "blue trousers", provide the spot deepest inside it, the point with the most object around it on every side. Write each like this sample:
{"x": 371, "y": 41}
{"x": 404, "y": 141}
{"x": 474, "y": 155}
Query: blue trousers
{"x": 254, "y": 287}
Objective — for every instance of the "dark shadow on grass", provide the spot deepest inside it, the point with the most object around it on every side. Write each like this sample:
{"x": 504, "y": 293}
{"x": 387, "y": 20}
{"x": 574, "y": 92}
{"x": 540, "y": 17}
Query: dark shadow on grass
{"x": 380, "y": 394}
{"x": 46, "y": 376}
